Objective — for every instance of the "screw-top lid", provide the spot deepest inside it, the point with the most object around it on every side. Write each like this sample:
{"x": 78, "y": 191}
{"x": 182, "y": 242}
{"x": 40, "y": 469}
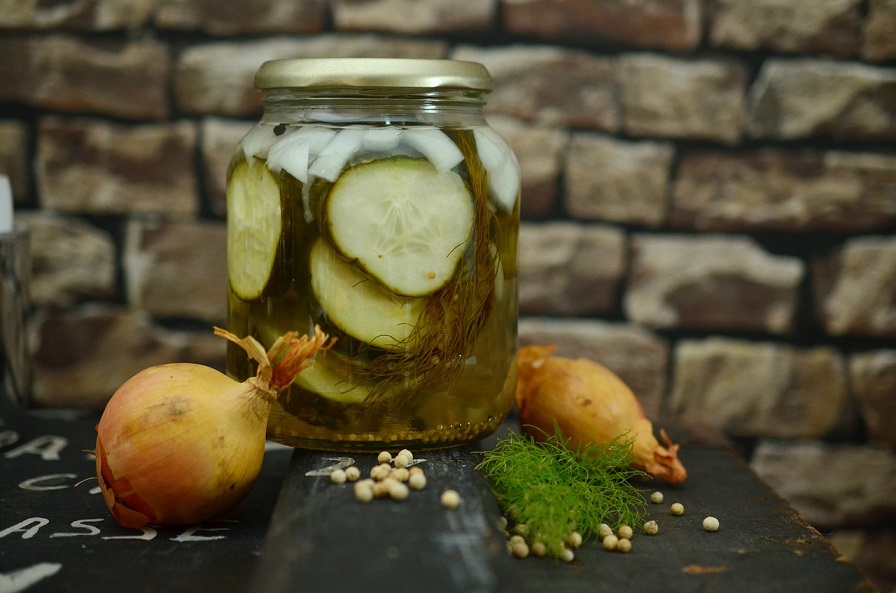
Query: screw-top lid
{"x": 373, "y": 72}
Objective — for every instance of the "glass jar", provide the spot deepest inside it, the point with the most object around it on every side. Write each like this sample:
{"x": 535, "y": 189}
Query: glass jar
{"x": 373, "y": 200}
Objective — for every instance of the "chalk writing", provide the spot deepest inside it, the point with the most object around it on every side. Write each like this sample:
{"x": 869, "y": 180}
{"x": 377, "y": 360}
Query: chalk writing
{"x": 84, "y": 524}
{"x": 21, "y": 579}
{"x": 8, "y": 437}
{"x": 47, "y": 446}
{"x": 30, "y": 527}
{"x": 190, "y": 534}
{"x": 48, "y": 482}
{"x": 146, "y": 533}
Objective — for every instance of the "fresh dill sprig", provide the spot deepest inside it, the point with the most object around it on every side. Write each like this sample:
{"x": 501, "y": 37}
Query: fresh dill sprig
{"x": 554, "y": 490}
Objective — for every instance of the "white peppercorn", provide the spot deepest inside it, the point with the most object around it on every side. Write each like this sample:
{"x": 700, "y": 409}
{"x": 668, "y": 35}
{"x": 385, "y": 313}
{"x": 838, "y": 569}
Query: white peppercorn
{"x": 450, "y": 499}
{"x": 610, "y": 542}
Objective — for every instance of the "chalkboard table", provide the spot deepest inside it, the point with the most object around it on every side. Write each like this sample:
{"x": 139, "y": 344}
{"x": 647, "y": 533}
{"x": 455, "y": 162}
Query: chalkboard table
{"x": 298, "y": 531}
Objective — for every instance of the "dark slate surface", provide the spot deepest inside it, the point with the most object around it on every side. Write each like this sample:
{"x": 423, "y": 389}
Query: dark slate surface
{"x": 323, "y": 539}
{"x": 312, "y": 536}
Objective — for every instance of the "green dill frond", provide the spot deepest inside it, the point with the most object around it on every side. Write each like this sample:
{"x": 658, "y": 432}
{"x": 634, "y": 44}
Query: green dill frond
{"x": 554, "y": 490}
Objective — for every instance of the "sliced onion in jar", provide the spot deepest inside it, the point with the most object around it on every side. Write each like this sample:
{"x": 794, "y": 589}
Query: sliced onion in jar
{"x": 335, "y": 155}
{"x": 382, "y": 139}
{"x": 293, "y": 151}
{"x": 504, "y": 177}
{"x": 435, "y": 145}
{"x": 257, "y": 142}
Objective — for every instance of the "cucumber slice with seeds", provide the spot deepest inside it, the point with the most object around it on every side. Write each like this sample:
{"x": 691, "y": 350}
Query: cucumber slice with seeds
{"x": 254, "y": 221}
{"x": 405, "y": 222}
{"x": 319, "y": 378}
{"x": 358, "y": 305}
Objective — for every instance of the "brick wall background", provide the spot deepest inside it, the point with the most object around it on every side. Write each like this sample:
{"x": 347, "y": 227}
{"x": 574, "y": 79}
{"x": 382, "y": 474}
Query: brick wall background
{"x": 709, "y": 201}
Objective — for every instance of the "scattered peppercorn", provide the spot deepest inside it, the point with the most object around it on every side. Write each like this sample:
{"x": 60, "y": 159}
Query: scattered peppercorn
{"x": 364, "y": 491}
{"x": 380, "y": 472}
{"x": 338, "y": 476}
{"x": 651, "y": 528}
{"x": 417, "y": 481}
{"x": 624, "y": 546}
{"x": 711, "y": 524}
{"x": 519, "y": 547}
{"x": 677, "y": 509}
{"x": 450, "y": 499}
{"x": 398, "y": 490}
{"x": 381, "y": 488}
{"x": 610, "y": 542}
{"x": 403, "y": 459}
{"x": 656, "y": 497}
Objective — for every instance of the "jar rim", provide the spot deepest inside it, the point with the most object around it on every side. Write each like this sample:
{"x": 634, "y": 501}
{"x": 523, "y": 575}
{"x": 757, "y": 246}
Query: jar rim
{"x": 373, "y": 73}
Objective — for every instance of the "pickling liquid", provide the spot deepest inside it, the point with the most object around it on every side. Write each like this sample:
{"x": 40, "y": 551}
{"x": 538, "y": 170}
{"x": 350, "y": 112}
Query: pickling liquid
{"x": 446, "y": 377}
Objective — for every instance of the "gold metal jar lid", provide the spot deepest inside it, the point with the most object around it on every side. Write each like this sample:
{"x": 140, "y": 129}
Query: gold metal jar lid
{"x": 373, "y": 72}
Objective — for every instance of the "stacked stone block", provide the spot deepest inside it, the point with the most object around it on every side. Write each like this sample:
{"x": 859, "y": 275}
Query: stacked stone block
{"x": 709, "y": 198}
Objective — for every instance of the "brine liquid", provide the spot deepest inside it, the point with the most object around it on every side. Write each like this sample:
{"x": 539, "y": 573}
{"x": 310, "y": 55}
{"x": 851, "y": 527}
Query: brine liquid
{"x": 456, "y": 388}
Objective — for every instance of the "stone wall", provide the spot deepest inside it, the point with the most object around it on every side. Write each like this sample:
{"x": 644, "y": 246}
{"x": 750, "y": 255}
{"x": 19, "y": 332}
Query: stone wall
{"x": 709, "y": 199}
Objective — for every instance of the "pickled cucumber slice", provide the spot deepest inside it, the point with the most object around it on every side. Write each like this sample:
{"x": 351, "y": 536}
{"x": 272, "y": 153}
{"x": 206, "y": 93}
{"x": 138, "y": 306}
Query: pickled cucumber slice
{"x": 253, "y": 227}
{"x": 322, "y": 377}
{"x": 358, "y": 305}
{"x": 405, "y": 222}
{"x": 319, "y": 378}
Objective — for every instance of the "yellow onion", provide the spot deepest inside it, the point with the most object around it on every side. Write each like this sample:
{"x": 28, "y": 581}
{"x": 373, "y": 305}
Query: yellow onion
{"x": 180, "y": 443}
{"x": 589, "y": 404}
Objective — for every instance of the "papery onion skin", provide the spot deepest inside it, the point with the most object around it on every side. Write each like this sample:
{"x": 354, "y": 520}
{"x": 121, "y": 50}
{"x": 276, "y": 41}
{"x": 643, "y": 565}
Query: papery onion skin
{"x": 589, "y": 404}
{"x": 181, "y": 443}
